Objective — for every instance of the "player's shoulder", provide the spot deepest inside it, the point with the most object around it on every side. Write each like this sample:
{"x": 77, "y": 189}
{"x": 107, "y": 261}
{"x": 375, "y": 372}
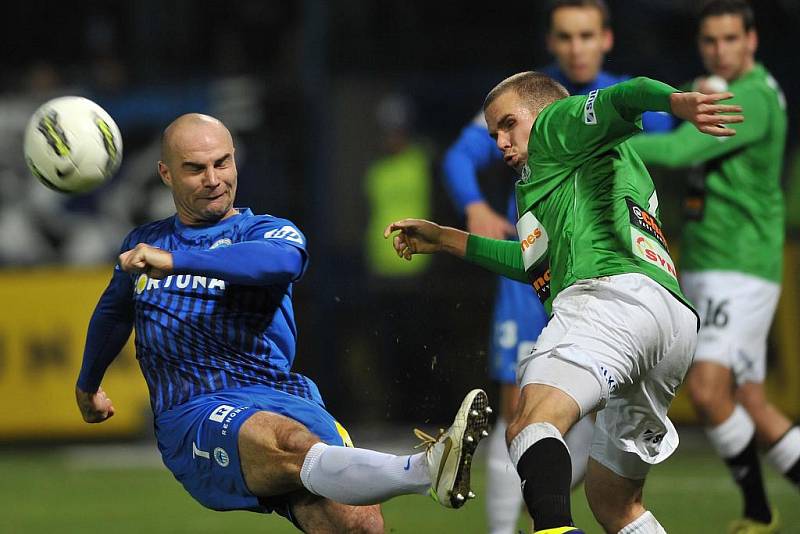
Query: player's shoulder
{"x": 764, "y": 84}
{"x": 265, "y": 220}
{"x": 268, "y": 226}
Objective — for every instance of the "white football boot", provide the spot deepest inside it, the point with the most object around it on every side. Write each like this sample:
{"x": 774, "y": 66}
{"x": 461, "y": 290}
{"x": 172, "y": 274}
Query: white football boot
{"x": 450, "y": 454}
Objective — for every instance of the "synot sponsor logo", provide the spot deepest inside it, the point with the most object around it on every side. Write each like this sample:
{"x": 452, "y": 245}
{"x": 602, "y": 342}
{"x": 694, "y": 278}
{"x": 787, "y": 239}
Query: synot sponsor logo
{"x": 652, "y": 252}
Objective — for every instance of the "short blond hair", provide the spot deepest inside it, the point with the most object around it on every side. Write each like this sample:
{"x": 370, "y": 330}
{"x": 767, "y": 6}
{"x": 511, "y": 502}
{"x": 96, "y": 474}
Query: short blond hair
{"x": 537, "y": 90}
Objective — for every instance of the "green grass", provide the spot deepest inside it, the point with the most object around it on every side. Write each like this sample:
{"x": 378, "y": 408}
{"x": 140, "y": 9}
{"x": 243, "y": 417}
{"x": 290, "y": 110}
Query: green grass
{"x": 42, "y": 492}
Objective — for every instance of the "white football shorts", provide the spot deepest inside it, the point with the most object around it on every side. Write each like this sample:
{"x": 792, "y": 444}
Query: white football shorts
{"x": 736, "y": 311}
{"x": 621, "y": 345}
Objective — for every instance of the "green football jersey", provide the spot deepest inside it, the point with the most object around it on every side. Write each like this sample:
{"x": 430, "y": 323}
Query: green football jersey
{"x": 735, "y": 207}
{"x": 588, "y": 205}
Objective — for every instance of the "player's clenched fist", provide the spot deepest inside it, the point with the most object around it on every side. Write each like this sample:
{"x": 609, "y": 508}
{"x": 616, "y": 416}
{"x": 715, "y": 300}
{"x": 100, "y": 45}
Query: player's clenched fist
{"x": 704, "y": 112}
{"x": 424, "y": 237}
{"x": 143, "y": 258}
{"x": 94, "y": 407}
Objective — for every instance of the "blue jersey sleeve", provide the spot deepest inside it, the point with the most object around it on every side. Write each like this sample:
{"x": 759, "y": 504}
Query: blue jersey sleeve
{"x": 273, "y": 252}
{"x": 472, "y": 152}
{"x": 109, "y": 328}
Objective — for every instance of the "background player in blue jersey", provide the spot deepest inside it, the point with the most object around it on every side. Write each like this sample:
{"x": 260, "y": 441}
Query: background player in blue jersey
{"x": 209, "y": 293}
{"x": 579, "y": 36}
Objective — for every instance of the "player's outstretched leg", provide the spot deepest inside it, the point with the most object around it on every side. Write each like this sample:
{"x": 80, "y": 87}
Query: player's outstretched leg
{"x": 362, "y": 476}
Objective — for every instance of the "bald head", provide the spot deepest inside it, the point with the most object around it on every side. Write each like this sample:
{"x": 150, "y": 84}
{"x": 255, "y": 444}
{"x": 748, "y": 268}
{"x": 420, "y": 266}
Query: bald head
{"x": 186, "y": 129}
{"x": 198, "y": 165}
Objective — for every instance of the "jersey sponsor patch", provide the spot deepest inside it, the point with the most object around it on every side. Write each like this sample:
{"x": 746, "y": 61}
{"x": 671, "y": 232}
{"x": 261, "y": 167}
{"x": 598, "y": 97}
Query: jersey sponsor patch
{"x": 534, "y": 241}
{"x": 284, "y": 232}
{"x": 220, "y": 413}
{"x": 589, "y": 116}
{"x": 644, "y": 220}
{"x": 649, "y": 249}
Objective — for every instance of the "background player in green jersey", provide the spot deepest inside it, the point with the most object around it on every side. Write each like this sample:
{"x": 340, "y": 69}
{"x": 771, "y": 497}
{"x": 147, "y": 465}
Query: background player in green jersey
{"x": 732, "y": 255}
{"x": 621, "y": 335}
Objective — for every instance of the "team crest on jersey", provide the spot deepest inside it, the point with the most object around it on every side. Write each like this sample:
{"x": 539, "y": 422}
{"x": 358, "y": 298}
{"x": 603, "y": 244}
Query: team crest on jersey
{"x": 589, "y": 116}
{"x": 224, "y": 242}
{"x": 284, "y": 232}
{"x": 525, "y": 174}
{"x": 221, "y": 457}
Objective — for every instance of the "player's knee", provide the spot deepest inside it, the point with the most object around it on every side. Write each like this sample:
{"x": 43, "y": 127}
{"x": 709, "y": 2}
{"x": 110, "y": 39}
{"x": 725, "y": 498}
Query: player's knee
{"x": 272, "y": 449}
{"x": 707, "y": 390}
{"x": 612, "y": 509}
{"x": 753, "y": 398}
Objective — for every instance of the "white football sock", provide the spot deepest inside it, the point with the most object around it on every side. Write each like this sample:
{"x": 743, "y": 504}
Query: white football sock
{"x": 786, "y": 451}
{"x": 503, "y": 496}
{"x": 579, "y": 442}
{"x": 734, "y": 434}
{"x": 644, "y": 524}
{"x": 361, "y": 476}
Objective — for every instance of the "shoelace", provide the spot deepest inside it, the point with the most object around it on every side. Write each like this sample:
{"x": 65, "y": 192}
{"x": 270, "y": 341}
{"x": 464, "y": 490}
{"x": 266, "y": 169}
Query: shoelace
{"x": 426, "y": 439}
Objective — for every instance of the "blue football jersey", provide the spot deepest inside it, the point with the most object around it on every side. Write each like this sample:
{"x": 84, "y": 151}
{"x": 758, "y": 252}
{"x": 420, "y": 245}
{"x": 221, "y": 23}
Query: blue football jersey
{"x": 226, "y": 321}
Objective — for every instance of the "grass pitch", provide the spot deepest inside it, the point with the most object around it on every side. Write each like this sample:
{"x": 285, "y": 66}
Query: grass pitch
{"x": 57, "y": 491}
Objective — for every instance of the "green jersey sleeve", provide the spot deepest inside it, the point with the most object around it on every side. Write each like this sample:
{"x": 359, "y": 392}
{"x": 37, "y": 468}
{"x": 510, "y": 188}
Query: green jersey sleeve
{"x": 686, "y": 146}
{"x": 574, "y": 129}
{"x": 496, "y": 255}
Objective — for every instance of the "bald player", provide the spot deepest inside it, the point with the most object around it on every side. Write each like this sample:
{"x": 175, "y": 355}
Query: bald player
{"x": 209, "y": 292}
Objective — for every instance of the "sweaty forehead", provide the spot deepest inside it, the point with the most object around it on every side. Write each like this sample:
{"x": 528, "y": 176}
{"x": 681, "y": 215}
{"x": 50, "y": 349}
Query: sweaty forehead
{"x": 200, "y": 139}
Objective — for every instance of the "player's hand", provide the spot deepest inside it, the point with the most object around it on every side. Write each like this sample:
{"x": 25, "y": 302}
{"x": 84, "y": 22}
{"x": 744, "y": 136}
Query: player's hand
{"x": 94, "y": 407}
{"x": 143, "y": 258}
{"x": 424, "y": 237}
{"x": 483, "y": 220}
{"x": 704, "y": 112}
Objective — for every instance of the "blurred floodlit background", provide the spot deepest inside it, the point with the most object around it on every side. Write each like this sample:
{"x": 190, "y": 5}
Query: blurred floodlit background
{"x": 317, "y": 94}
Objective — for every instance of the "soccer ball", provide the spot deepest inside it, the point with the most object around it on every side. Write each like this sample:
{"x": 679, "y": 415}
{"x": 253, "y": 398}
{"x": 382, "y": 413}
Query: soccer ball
{"x": 72, "y": 145}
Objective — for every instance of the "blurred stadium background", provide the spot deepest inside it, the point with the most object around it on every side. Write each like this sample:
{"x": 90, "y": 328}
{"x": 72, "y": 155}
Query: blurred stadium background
{"x": 312, "y": 91}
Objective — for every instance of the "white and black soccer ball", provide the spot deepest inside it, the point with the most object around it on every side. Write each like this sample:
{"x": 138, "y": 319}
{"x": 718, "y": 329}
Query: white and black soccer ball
{"x": 72, "y": 145}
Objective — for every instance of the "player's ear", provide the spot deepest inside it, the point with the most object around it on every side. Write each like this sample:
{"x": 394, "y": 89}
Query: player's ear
{"x": 163, "y": 171}
{"x": 608, "y": 40}
{"x": 752, "y": 41}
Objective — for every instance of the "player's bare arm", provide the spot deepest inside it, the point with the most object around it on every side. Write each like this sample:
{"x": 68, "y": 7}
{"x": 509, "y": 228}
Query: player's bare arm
{"x": 424, "y": 237}
{"x": 483, "y": 220}
{"x": 143, "y": 258}
{"x": 704, "y": 112}
{"x": 95, "y": 407}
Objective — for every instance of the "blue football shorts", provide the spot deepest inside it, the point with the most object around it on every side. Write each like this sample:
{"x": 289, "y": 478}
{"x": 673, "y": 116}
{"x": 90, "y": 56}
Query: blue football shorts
{"x": 198, "y": 441}
{"x": 519, "y": 317}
